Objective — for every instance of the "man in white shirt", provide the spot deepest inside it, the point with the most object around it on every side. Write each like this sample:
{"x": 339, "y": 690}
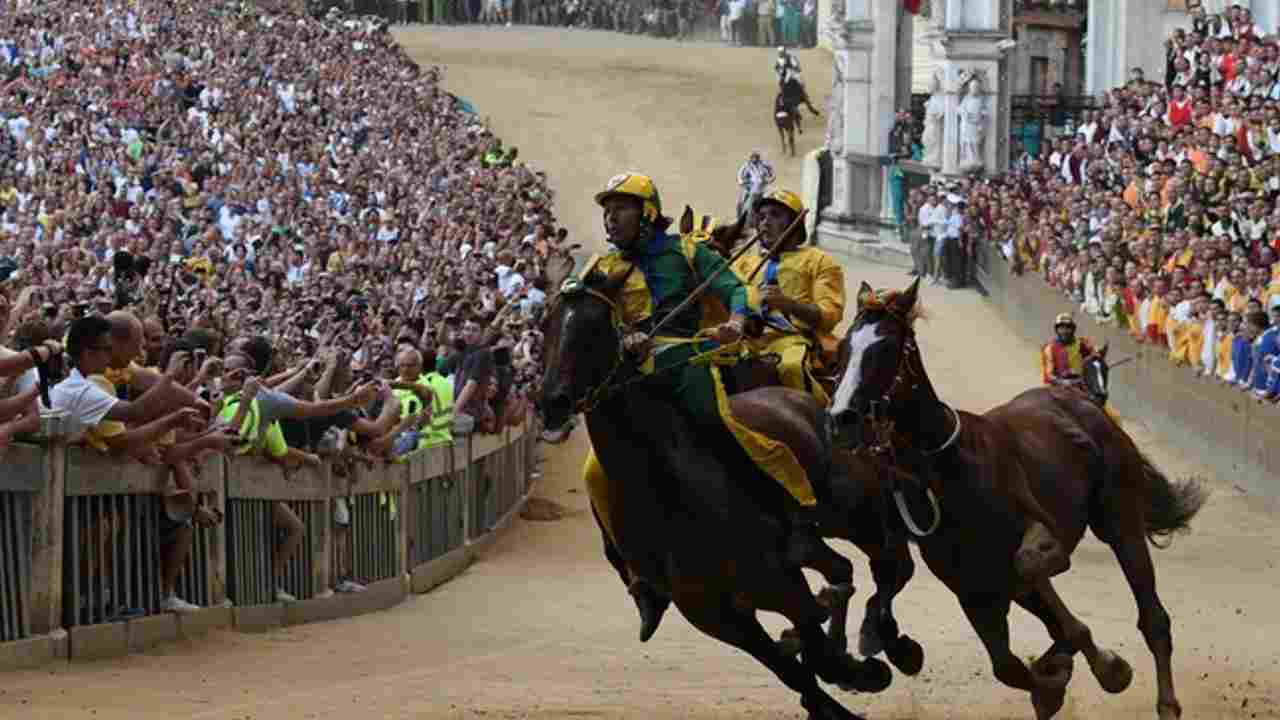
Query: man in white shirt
{"x": 922, "y": 248}
{"x": 754, "y": 177}
{"x": 947, "y": 255}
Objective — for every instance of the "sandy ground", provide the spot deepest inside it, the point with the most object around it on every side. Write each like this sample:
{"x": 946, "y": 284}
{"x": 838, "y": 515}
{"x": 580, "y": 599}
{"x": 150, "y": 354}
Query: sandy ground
{"x": 541, "y": 628}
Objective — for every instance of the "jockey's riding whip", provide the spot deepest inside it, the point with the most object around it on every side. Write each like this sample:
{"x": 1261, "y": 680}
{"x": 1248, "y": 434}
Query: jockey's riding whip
{"x": 1118, "y": 363}
{"x": 697, "y": 292}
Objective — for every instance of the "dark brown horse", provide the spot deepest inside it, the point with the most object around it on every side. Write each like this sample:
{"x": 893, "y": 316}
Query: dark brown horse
{"x": 685, "y": 506}
{"x": 786, "y": 118}
{"x": 849, "y": 517}
{"x": 1058, "y": 444}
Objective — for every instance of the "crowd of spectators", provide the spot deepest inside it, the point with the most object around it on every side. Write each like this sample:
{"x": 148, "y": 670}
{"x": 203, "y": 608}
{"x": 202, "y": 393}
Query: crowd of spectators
{"x": 763, "y": 23}
{"x": 1160, "y": 213}
{"x": 224, "y": 230}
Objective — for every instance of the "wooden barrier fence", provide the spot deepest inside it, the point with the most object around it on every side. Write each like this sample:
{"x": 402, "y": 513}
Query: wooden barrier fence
{"x": 83, "y": 538}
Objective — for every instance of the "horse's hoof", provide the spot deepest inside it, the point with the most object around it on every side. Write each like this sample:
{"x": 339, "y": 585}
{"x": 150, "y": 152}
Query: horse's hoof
{"x": 1169, "y": 711}
{"x": 869, "y": 676}
{"x": 1052, "y": 672}
{"x": 906, "y": 655}
{"x": 789, "y": 643}
{"x": 1047, "y": 703}
{"x": 1114, "y": 674}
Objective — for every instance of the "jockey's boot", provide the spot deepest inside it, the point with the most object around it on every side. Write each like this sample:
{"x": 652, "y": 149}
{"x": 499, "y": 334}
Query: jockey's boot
{"x": 651, "y": 604}
{"x": 1041, "y": 555}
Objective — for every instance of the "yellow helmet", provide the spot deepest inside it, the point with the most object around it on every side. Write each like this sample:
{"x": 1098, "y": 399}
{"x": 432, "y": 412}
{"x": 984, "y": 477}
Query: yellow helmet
{"x": 1064, "y": 319}
{"x": 785, "y": 198}
{"x": 637, "y": 186}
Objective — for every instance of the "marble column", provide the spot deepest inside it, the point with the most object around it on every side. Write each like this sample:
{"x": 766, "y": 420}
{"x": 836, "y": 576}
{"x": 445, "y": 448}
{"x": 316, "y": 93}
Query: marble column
{"x": 866, "y": 44}
{"x": 969, "y": 42}
{"x": 1266, "y": 13}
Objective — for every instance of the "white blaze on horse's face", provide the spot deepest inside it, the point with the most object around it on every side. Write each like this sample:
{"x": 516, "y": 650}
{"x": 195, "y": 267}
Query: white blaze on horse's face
{"x": 1098, "y": 376}
{"x": 859, "y": 343}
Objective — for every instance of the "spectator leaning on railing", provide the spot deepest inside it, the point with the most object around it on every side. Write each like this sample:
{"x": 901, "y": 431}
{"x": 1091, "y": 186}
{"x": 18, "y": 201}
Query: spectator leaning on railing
{"x": 1161, "y": 214}
{"x": 243, "y": 243}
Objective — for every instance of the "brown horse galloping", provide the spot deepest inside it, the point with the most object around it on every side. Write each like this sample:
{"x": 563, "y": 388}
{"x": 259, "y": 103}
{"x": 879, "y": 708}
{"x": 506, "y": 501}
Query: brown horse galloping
{"x": 1055, "y": 444}
{"x": 684, "y": 506}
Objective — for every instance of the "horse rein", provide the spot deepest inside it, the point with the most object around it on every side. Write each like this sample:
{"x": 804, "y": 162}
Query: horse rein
{"x": 883, "y": 427}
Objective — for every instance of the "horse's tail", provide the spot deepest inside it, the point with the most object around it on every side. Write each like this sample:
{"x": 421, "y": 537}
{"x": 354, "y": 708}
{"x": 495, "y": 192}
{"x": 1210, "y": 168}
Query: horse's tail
{"x": 1170, "y": 505}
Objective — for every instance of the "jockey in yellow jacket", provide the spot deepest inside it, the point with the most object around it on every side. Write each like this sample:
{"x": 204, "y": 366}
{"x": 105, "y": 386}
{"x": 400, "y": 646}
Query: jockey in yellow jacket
{"x": 662, "y": 270}
{"x": 800, "y": 290}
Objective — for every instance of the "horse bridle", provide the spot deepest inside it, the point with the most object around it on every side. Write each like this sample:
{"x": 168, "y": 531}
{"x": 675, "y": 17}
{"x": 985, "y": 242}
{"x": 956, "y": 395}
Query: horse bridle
{"x": 882, "y": 427}
{"x": 596, "y": 394}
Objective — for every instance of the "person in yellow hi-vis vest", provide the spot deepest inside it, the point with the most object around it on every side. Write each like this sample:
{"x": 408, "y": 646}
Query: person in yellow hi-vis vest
{"x": 661, "y": 271}
{"x": 440, "y": 431}
{"x": 800, "y": 290}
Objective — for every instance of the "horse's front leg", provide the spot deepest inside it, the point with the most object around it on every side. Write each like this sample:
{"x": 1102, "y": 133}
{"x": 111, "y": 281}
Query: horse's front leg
{"x": 892, "y": 567}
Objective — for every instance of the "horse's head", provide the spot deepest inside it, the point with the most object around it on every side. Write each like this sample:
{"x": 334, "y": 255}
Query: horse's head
{"x": 708, "y": 229}
{"x": 881, "y": 362}
{"x": 582, "y": 346}
{"x": 1096, "y": 381}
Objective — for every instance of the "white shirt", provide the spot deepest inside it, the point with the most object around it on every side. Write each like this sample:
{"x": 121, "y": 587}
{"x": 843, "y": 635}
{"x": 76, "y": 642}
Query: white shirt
{"x": 1209, "y": 352}
{"x": 85, "y": 403}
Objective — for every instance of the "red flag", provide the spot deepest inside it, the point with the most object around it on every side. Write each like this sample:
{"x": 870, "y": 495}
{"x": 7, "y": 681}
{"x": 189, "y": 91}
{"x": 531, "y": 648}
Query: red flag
{"x": 913, "y": 6}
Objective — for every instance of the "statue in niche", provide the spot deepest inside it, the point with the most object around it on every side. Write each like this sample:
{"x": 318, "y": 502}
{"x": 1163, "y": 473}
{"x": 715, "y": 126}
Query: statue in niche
{"x": 835, "y": 107}
{"x": 935, "y": 110}
{"x": 973, "y": 123}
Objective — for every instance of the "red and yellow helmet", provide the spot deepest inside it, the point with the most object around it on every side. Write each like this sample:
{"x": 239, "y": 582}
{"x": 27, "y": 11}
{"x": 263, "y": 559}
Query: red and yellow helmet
{"x": 637, "y": 186}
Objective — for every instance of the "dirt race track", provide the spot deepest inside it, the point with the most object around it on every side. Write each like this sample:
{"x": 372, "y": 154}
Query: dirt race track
{"x": 541, "y": 627}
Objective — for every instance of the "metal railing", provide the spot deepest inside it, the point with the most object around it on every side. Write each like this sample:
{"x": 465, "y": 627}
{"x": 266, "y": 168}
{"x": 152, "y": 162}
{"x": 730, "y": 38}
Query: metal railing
{"x": 83, "y": 536}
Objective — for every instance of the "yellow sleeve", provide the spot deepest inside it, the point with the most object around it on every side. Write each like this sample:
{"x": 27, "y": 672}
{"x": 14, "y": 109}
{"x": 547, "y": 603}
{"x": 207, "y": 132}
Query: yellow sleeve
{"x": 1046, "y": 365}
{"x": 828, "y": 292}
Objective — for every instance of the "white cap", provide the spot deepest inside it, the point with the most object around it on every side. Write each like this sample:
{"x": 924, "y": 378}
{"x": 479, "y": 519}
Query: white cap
{"x": 953, "y": 198}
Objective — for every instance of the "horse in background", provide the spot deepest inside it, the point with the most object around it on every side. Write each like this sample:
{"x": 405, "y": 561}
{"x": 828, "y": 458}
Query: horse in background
{"x": 787, "y": 119}
{"x": 1054, "y": 448}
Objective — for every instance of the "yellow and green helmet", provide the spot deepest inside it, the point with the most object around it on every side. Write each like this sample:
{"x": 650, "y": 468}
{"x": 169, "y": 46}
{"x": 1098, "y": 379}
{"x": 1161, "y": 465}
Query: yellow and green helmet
{"x": 637, "y": 186}
{"x": 785, "y": 198}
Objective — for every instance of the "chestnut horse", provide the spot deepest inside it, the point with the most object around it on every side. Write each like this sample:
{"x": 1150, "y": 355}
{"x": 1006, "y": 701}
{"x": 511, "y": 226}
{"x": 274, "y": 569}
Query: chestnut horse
{"x": 685, "y": 507}
{"x": 1054, "y": 443}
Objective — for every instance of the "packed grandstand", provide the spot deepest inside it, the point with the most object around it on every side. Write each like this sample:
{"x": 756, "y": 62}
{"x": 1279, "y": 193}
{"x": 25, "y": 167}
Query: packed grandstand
{"x": 1158, "y": 212}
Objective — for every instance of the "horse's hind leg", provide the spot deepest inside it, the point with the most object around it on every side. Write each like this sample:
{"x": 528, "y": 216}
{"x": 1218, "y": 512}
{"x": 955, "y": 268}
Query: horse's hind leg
{"x": 739, "y": 628}
{"x": 1129, "y": 545}
{"x": 1043, "y": 552}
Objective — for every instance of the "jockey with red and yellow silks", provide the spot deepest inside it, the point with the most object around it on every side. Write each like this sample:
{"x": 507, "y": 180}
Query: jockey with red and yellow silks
{"x": 1062, "y": 359}
{"x": 800, "y": 290}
